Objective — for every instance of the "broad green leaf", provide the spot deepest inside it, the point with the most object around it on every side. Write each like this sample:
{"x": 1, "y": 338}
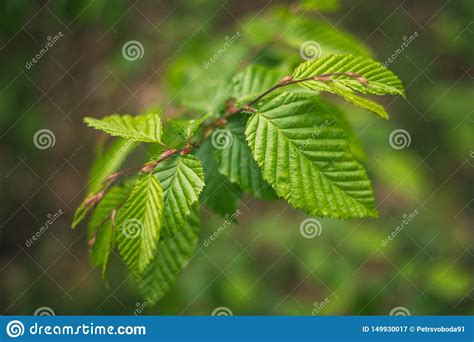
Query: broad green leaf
{"x": 145, "y": 128}
{"x": 139, "y": 223}
{"x": 253, "y": 81}
{"x": 170, "y": 258}
{"x": 220, "y": 194}
{"x": 236, "y": 162}
{"x": 187, "y": 128}
{"x": 380, "y": 80}
{"x": 304, "y": 154}
{"x": 182, "y": 179}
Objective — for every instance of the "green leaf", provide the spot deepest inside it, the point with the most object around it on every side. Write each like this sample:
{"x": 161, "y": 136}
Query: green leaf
{"x": 359, "y": 101}
{"x": 171, "y": 257}
{"x": 303, "y": 153}
{"x": 303, "y": 32}
{"x": 220, "y": 194}
{"x": 139, "y": 223}
{"x": 236, "y": 162}
{"x": 380, "y": 80}
{"x": 320, "y": 5}
{"x": 253, "y": 81}
{"x": 187, "y": 128}
{"x": 145, "y": 128}
{"x": 182, "y": 178}
{"x": 100, "y": 228}
{"x": 81, "y": 212}
{"x": 108, "y": 161}
{"x": 114, "y": 198}
{"x": 103, "y": 245}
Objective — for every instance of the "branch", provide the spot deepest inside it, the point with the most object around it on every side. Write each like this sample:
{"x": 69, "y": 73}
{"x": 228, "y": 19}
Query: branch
{"x": 220, "y": 122}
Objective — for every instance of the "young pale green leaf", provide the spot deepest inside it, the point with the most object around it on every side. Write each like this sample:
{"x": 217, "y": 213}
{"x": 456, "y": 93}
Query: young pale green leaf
{"x": 170, "y": 258}
{"x": 113, "y": 199}
{"x": 220, "y": 194}
{"x": 303, "y": 153}
{"x": 320, "y": 5}
{"x": 145, "y": 128}
{"x": 81, "y": 212}
{"x": 182, "y": 178}
{"x": 253, "y": 81}
{"x": 378, "y": 79}
{"x": 107, "y": 161}
{"x": 361, "y": 102}
{"x": 236, "y": 162}
{"x": 139, "y": 222}
{"x": 103, "y": 244}
{"x": 187, "y": 128}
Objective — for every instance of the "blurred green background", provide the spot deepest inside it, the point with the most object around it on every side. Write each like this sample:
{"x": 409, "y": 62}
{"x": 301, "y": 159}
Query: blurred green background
{"x": 263, "y": 264}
